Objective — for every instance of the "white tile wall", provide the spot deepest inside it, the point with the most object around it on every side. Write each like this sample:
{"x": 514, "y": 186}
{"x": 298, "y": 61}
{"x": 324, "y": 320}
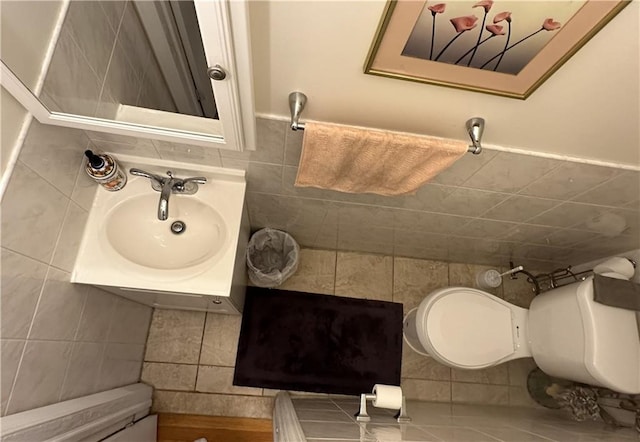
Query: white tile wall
{"x": 25, "y": 276}
{"x": 103, "y": 58}
{"x": 39, "y": 221}
{"x": 121, "y": 364}
{"x": 71, "y": 85}
{"x": 486, "y": 209}
{"x": 11, "y": 352}
{"x": 59, "y": 308}
{"x": 84, "y": 363}
{"x": 41, "y": 371}
{"x": 59, "y": 340}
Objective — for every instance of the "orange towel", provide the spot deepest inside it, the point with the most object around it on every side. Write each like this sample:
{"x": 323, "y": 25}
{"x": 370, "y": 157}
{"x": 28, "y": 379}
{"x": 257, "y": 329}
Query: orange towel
{"x": 354, "y": 160}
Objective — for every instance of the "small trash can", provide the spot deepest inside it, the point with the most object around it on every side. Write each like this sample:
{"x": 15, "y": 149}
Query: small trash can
{"x": 272, "y": 257}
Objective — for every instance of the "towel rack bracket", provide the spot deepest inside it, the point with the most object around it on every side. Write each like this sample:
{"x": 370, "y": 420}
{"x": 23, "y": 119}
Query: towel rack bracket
{"x": 475, "y": 128}
{"x": 297, "y": 102}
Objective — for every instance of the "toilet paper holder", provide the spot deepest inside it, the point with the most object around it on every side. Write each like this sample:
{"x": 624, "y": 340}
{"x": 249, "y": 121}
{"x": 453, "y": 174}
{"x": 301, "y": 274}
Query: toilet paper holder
{"x": 362, "y": 416}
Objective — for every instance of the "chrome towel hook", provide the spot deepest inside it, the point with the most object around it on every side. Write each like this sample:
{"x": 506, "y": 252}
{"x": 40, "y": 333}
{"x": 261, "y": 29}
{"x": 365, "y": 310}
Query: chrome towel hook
{"x": 475, "y": 128}
{"x": 297, "y": 101}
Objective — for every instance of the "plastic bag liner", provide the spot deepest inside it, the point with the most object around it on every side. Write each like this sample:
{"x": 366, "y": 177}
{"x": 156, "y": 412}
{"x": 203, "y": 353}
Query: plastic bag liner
{"x": 272, "y": 257}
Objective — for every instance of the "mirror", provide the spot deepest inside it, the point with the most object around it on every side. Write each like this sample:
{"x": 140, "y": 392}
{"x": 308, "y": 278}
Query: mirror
{"x": 136, "y": 66}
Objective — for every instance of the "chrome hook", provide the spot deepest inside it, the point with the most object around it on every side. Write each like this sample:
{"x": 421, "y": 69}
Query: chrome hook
{"x": 297, "y": 101}
{"x": 475, "y": 128}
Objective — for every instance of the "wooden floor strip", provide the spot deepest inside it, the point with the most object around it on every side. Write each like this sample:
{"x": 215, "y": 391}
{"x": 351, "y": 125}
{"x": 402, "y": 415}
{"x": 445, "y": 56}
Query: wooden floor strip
{"x": 189, "y": 427}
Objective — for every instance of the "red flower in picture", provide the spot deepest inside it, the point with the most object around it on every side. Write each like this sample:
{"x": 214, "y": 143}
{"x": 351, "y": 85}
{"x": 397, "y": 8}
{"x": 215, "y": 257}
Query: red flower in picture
{"x": 437, "y": 9}
{"x": 484, "y": 28}
{"x": 550, "y": 25}
{"x": 486, "y": 4}
{"x": 502, "y": 17}
{"x": 495, "y": 29}
{"x": 462, "y": 25}
{"x": 465, "y": 23}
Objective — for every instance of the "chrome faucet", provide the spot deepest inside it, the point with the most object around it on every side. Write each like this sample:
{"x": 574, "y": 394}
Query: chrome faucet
{"x": 168, "y": 185}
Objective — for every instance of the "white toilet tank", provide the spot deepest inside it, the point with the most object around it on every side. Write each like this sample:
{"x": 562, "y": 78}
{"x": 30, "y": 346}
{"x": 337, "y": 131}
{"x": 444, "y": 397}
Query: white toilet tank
{"x": 574, "y": 337}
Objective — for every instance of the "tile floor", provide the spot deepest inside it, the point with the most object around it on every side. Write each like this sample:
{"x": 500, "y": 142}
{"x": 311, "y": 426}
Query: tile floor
{"x": 190, "y": 355}
{"x": 331, "y": 419}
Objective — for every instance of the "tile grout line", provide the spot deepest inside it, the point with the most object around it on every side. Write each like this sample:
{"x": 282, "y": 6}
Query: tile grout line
{"x": 74, "y": 341}
{"x": 103, "y": 355}
{"x": 84, "y": 57}
{"x": 111, "y": 53}
{"x": 404, "y": 209}
{"x": 24, "y": 349}
{"x": 204, "y": 328}
{"x": 335, "y": 272}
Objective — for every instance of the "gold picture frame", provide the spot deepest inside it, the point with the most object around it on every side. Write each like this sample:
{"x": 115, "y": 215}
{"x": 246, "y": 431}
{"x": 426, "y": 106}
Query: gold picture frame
{"x": 413, "y": 36}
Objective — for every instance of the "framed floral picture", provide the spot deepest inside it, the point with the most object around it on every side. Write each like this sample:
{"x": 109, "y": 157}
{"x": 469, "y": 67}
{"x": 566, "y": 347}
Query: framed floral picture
{"x": 499, "y": 47}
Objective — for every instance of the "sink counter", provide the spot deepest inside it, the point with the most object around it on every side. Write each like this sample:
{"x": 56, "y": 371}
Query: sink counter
{"x": 199, "y": 265}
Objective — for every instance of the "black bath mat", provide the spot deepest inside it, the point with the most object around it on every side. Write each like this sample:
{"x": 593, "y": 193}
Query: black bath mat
{"x": 318, "y": 343}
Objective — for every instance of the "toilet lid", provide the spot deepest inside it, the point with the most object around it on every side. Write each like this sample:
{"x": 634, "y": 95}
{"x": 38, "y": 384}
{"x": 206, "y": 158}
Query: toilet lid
{"x": 470, "y": 328}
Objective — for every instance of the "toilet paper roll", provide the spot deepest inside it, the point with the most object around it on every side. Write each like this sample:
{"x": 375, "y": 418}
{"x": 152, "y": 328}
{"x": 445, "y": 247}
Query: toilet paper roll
{"x": 617, "y": 264}
{"x": 488, "y": 279}
{"x": 387, "y": 396}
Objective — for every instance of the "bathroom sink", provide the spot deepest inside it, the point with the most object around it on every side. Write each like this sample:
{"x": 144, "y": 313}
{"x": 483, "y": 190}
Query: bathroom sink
{"x": 197, "y": 251}
{"x": 194, "y": 232}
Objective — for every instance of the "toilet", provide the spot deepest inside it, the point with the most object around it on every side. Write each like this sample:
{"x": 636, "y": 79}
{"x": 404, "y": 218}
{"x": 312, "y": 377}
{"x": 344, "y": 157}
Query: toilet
{"x": 567, "y": 333}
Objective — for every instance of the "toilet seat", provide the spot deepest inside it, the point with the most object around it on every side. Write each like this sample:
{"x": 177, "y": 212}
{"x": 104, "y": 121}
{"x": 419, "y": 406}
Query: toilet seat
{"x": 465, "y": 327}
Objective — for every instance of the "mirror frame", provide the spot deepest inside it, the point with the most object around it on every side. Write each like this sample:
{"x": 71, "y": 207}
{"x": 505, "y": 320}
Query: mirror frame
{"x": 226, "y": 41}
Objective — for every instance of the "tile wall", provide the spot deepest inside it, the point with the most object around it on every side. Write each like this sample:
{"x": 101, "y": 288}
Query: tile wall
{"x": 486, "y": 209}
{"x": 58, "y": 340}
{"x": 332, "y": 419}
{"x": 14, "y": 116}
{"x": 103, "y": 58}
{"x": 190, "y": 356}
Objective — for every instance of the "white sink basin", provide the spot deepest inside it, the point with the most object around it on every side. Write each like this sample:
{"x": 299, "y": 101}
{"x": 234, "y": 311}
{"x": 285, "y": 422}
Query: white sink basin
{"x": 127, "y": 247}
{"x": 135, "y": 232}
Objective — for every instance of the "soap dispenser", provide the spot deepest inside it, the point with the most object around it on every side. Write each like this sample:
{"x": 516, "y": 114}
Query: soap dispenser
{"x": 104, "y": 170}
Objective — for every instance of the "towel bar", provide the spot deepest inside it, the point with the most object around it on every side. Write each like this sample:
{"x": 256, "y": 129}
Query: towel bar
{"x": 475, "y": 126}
